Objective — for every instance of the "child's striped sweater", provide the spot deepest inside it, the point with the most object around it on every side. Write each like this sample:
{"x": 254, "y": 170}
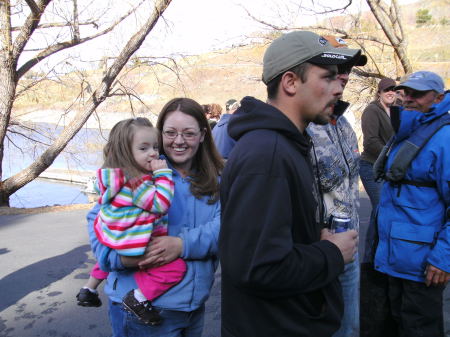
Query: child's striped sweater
{"x": 132, "y": 209}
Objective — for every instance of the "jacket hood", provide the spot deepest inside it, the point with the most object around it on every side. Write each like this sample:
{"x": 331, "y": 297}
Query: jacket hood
{"x": 254, "y": 114}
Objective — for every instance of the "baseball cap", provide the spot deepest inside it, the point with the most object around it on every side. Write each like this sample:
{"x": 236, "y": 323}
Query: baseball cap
{"x": 423, "y": 81}
{"x": 386, "y": 83}
{"x": 338, "y": 42}
{"x": 294, "y": 48}
{"x": 230, "y": 103}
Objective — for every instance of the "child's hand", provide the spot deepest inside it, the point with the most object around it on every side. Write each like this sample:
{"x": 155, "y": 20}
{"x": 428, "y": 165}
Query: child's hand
{"x": 157, "y": 164}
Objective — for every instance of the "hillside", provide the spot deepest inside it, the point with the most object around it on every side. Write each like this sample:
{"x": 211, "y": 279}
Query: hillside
{"x": 232, "y": 73}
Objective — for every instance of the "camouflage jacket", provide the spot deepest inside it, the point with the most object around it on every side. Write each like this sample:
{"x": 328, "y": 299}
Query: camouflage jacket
{"x": 335, "y": 158}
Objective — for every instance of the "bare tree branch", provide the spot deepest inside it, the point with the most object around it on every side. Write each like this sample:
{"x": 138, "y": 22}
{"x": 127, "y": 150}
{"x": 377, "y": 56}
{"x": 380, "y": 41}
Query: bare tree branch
{"x": 24, "y": 88}
{"x": 34, "y": 8}
{"x": 28, "y": 28}
{"x": 68, "y": 44}
{"x": 346, "y": 35}
{"x": 367, "y": 74}
{"x": 60, "y": 25}
{"x": 76, "y": 25}
{"x": 265, "y": 23}
{"x": 14, "y": 144}
{"x": 34, "y": 140}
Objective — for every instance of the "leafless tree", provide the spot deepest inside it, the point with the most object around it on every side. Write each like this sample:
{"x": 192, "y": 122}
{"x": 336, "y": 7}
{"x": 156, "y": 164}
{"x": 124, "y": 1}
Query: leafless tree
{"x": 387, "y": 14}
{"x": 14, "y": 40}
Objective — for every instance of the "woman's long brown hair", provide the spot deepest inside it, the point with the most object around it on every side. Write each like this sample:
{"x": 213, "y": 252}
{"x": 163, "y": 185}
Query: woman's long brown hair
{"x": 207, "y": 163}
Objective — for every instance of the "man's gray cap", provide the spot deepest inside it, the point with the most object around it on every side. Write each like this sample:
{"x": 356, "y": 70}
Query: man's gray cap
{"x": 292, "y": 49}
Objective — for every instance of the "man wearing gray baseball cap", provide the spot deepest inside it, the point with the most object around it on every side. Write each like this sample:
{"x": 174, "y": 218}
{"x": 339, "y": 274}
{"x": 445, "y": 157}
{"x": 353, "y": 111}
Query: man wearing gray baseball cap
{"x": 279, "y": 268}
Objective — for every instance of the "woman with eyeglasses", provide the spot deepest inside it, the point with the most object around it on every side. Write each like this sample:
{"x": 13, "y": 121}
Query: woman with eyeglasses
{"x": 377, "y": 130}
{"x": 193, "y": 226}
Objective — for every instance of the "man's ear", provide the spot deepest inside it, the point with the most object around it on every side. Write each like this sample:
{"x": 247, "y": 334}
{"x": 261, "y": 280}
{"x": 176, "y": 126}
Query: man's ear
{"x": 289, "y": 83}
{"x": 439, "y": 98}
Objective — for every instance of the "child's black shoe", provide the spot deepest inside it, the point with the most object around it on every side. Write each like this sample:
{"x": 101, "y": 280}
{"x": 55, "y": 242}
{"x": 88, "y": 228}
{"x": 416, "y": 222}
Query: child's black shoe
{"x": 86, "y": 298}
{"x": 143, "y": 310}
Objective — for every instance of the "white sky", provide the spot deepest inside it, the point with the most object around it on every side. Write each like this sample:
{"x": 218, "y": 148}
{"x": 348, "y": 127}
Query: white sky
{"x": 196, "y": 26}
{"x": 201, "y": 25}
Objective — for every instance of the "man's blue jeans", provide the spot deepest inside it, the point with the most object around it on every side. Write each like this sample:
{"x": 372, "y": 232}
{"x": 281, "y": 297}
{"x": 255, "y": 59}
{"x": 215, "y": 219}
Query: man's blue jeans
{"x": 373, "y": 190}
{"x": 350, "y": 290}
{"x": 175, "y": 323}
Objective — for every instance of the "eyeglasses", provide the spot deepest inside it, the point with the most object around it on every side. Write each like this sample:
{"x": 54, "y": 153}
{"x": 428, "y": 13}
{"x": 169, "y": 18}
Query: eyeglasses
{"x": 187, "y": 135}
{"x": 415, "y": 93}
{"x": 389, "y": 89}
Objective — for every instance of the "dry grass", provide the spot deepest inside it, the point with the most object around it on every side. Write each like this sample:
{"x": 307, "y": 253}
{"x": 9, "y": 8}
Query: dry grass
{"x": 45, "y": 209}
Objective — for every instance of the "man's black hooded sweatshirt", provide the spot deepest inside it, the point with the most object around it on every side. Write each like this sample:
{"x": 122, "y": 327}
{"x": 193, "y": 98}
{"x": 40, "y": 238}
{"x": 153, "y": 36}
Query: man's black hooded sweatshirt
{"x": 278, "y": 278}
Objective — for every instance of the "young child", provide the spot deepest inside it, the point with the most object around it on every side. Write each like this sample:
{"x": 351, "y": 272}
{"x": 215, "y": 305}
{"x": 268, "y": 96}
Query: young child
{"x": 134, "y": 205}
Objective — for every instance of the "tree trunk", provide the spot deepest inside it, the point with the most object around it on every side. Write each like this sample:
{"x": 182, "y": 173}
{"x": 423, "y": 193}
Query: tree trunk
{"x": 12, "y": 184}
{"x": 8, "y": 87}
{"x": 392, "y": 28}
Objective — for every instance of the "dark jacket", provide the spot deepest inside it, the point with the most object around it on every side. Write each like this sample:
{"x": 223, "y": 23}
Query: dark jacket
{"x": 278, "y": 278}
{"x": 377, "y": 130}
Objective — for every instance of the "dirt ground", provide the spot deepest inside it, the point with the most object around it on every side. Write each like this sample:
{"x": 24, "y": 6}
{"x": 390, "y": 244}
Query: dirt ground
{"x": 45, "y": 209}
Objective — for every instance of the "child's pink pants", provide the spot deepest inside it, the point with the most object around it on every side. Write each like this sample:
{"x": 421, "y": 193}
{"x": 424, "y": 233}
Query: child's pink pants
{"x": 156, "y": 281}
{"x": 152, "y": 282}
{"x": 99, "y": 274}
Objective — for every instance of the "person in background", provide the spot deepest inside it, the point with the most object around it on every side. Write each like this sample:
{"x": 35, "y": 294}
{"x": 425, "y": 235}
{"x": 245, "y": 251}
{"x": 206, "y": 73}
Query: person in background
{"x": 414, "y": 211}
{"x": 377, "y": 130}
{"x": 212, "y": 112}
{"x": 223, "y": 141}
{"x": 335, "y": 158}
{"x": 193, "y": 229}
{"x": 280, "y": 267}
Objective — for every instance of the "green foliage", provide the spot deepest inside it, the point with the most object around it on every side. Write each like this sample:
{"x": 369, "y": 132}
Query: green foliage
{"x": 423, "y": 17}
{"x": 444, "y": 22}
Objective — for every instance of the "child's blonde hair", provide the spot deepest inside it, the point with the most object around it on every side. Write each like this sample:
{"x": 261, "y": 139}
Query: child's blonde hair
{"x": 118, "y": 153}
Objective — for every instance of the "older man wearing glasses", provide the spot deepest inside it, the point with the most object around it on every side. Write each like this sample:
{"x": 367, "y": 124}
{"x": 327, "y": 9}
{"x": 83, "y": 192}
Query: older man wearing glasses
{"x": 414, "y": 211}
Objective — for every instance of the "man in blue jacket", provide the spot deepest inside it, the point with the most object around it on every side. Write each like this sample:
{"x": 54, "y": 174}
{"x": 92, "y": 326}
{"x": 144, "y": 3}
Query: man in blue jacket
{"x": 414, "y": 212}
{"x": 224, "y": 143}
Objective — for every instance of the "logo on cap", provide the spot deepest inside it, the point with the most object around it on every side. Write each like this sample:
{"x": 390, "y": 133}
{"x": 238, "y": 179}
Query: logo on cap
{"x": 333, "y": 56}
{"x": 417, "y": 76}
{"x": 323, "y": 41}
{"x": 340, "y": 41}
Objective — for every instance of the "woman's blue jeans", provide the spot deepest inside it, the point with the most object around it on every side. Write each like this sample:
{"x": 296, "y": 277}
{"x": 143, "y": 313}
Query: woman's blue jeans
{"x": 175, "y": 323}
{"x": 373, "y": 190}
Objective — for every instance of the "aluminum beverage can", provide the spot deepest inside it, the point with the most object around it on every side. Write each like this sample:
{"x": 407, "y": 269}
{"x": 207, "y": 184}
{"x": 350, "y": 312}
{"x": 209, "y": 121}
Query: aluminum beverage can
{"x": 339, "y": 225}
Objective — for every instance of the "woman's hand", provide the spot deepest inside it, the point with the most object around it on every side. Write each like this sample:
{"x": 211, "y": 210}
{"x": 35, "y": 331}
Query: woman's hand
{"x": 161, "y": 250}
{"x": 130, "y": 261}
